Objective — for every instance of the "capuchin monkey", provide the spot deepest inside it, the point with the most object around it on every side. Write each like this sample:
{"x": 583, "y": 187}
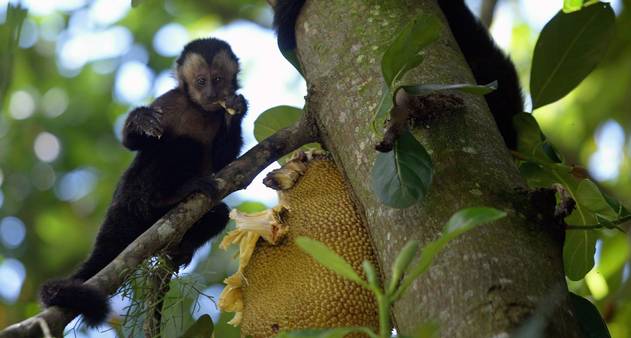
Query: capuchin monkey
{"x": 181, "y": 139}
{"x": 487, "y": 62}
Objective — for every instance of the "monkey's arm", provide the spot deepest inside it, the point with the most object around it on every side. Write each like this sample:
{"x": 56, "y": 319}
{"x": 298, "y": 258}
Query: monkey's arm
{"x": 143, "y": 127}
{"x": 228, "y": 141}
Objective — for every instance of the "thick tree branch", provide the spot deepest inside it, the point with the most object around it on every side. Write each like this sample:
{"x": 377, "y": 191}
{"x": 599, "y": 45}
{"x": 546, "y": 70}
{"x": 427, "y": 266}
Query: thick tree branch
{"x": 171, "y": 227}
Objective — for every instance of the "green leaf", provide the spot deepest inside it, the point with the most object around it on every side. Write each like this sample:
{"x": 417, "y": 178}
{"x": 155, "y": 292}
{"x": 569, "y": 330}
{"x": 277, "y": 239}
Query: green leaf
{"x": 402, "y": 262}
{"x": 469, "y": 218}
{"x": 202, "y": 328}
{"x": 371, "y": 275}
{"x": 402, "y": 176}
{"x": 591, "y": 197}
{"x": 531, "y": 141}
{"x": 589, "y": 318}
{"x": 339, "y": 332}
{"x": 275, "y": 119}
{"x": 403, "y": 53}
{"x": 135, "y": 3}
{"x": 568, "y": 49}
{"x": 426, "y": 89}
{"x": 329, "y": 259}
{"x": 462, "y": 221}
{"x": 578, "y": 253}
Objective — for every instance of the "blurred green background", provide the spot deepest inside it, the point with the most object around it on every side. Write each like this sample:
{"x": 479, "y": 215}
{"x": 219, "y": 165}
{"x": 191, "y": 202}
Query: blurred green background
{"x": 81, "y": 65}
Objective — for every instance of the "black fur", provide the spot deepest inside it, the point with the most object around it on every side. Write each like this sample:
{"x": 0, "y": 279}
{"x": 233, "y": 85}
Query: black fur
{"x": 174, "y": 159}
{"x": 285, "y": 15}
{"x": 71, "y": 293}
{"x": 487, "y": 62}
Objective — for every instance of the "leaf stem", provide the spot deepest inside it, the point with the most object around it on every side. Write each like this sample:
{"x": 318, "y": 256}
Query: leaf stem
{"x": 615, "y": 224}
{"x": 383, "y": 302}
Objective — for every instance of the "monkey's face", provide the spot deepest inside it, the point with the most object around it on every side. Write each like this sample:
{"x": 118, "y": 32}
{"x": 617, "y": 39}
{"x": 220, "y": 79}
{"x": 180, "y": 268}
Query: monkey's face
{"x": 208, "y": 81}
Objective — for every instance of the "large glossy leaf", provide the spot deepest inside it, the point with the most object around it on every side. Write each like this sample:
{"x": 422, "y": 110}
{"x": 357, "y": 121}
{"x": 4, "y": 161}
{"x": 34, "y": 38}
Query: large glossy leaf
{"x": 568, "y": 49}
{"x": 402, "y": 176}
{"x": 578, "y": 253}
{"x": 531, "y": 142}
{"x": 589, "y": 318}
{"x": 329, "y": 259}
{"x": 275, "y": 119}
{"x": 592, "y": 198}
{"x": 403, "y": 53}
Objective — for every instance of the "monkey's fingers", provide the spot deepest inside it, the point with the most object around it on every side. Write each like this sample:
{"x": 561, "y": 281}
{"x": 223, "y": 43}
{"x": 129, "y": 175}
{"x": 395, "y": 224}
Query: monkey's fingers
{"x": 234, "y": 105}
{"x": 229, "y": 110}
{"x": 151, "y": 124}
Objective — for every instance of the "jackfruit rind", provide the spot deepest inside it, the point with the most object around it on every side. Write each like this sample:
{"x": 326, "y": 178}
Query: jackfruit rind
{"x": 286, "y": 289}
{"x": 249, "y": 228}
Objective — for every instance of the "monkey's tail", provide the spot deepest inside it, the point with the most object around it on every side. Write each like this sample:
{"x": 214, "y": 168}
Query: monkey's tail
{"x": 285, "y": 15}
{"x": 72, "y": 294}
{"x": 488, "y": 63}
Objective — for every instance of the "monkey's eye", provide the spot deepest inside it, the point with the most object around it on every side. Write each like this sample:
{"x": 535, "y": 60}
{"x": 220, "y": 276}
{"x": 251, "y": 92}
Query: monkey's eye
{"x": 216, "y": 79}
{"x": 201, "y": 81}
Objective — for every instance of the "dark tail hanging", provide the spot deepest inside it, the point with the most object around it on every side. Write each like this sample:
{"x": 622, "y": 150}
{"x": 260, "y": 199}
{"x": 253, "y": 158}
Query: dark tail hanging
{"x": 72, "y": 294}
{"x": 488, "y": 63}
{"x": 285, "y": 15}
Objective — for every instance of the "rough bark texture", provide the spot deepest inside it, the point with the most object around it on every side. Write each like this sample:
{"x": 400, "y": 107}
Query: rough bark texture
{"x": 491, "y": 279}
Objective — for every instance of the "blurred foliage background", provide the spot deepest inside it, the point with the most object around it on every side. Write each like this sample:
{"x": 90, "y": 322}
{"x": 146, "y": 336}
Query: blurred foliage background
{"x": 80, "y": 65}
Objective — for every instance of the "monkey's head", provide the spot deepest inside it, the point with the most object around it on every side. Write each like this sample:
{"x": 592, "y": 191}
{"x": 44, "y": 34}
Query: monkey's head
{"x": 207, "y": 71}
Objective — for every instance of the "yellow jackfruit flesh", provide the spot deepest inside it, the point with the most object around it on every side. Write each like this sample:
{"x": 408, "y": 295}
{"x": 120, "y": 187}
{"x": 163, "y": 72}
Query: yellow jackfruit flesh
{"x": 282, "y": 288}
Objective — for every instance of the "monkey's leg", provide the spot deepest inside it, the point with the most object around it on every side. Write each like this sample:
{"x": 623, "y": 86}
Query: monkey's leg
{"x": 113, "y": 238}
{"x": 142, "y": 127}
{"x": 201, "y": 232}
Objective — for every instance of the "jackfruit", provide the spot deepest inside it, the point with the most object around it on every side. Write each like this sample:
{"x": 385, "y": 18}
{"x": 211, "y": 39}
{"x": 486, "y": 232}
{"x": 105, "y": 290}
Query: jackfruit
{"x": 279, "y": 287}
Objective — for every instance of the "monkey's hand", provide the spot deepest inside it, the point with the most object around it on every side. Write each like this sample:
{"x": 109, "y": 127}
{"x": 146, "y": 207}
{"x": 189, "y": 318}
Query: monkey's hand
{"x": 145, "y": 121}
{"x": 142, "y": 127}
{"x": 234, "y": 105}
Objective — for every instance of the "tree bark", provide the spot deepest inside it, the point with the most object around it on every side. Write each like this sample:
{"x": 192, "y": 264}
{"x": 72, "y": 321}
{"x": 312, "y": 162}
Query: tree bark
{"x": 490, "y": 280}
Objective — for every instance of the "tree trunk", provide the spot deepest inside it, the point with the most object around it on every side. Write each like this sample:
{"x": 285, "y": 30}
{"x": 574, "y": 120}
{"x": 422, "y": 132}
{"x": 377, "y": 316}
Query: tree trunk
{"x": 490, "y": 280}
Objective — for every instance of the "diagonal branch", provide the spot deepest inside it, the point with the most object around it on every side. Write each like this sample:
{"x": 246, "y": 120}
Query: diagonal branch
{"x": 172, "y": 226}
